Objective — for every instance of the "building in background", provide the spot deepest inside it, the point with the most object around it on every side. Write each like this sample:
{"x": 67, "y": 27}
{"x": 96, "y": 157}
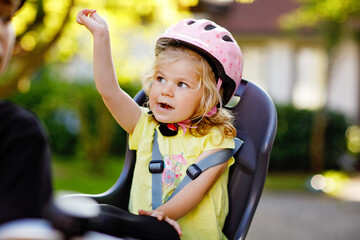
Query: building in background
{"x": 291, "y": 68}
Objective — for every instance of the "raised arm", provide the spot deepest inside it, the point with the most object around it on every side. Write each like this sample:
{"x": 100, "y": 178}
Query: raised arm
{"x": 123, "y": 108}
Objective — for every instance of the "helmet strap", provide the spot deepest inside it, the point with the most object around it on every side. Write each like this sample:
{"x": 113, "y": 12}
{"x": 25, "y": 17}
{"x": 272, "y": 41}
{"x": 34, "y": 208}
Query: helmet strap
{"x": 214, "y": 109}
{"x": 219, "y": 83}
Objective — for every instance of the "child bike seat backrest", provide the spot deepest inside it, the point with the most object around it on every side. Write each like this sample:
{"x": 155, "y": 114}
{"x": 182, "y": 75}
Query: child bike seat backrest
{"x": 256, "y": 123}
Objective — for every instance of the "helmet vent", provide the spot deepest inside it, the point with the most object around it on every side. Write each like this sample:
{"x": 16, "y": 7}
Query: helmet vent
{"x": 227, "y": 38}
{"x": 209, "y": 27}
{"x": 191, "y": 22}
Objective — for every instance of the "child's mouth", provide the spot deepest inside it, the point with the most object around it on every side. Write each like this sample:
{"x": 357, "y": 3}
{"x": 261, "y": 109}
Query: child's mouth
{"x": 165, "y": 106}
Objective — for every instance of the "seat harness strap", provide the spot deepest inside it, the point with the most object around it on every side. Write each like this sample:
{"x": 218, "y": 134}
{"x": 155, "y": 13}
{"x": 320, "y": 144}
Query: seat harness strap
{"x": 156, "y": 167}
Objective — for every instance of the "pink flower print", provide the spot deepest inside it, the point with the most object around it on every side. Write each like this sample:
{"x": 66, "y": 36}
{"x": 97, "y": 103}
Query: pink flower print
{"x": 180, "y": 159}
{"x": 167, "y": 161}
{"x": 169, "y": 164}
{"x": 163, "y": 176}
{"x": 169, "y": 177}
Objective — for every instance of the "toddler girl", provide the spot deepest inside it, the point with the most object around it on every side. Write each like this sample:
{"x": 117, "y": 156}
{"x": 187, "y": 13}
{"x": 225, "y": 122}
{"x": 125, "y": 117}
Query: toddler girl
{"x": 197, "y": 69}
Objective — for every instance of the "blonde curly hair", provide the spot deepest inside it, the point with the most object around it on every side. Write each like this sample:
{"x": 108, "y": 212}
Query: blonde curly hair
{"x": 168, "y": 51}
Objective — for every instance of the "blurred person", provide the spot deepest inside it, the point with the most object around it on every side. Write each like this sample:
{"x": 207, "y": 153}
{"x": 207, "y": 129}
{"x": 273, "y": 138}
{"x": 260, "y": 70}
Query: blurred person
{"x": 25, "y": 182}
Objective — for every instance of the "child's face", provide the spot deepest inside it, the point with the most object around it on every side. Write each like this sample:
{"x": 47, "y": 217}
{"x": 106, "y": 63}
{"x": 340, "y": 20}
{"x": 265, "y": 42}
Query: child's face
{"x": 175, "y": 93}
{"x": 7, "y": 36}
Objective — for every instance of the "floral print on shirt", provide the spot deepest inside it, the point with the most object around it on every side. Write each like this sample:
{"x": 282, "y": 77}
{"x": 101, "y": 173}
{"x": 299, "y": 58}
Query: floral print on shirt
{"x": 172, "y": 174}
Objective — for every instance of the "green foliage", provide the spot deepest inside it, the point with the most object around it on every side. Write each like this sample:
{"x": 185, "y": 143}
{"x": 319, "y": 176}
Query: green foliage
{"x": 74, "y": 174}
{"x": 285, "y": 181}
{"x": 291, "y": 149}
{"x": 53, "y": 101}
{"x": 311, "y": 12}
{"x": 47, "y": 32}
{"x": 330, "y": 17}
{"x": 335, "y": 139}
{"x": 77, "y": 121}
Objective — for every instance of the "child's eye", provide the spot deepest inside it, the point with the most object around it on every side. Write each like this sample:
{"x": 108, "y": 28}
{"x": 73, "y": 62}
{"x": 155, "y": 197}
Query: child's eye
{"x": 160, "y": 79}
{"x": 183, "y": 85}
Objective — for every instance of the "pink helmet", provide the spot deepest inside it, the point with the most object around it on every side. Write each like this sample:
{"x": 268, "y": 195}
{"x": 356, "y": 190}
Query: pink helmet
{"x": 216, "y": 45}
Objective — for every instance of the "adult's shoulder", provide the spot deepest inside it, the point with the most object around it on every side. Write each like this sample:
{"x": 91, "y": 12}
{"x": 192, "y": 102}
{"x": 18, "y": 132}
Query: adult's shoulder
{"x": 19, "y": 119}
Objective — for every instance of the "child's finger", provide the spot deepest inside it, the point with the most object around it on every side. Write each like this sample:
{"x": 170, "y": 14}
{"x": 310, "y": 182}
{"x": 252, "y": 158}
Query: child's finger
{"x": 160, "y": 215}
{"x": 143, "y": 212}
{"x": 81, "y": 14}
{"x": 97, "y": 17}
{"x": 175, "y": 224}
{"x": 84, "y": 20}
{"x": 86, "y": 11}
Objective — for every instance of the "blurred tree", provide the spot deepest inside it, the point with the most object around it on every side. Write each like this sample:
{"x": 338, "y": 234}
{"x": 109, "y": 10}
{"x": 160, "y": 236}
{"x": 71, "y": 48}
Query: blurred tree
{"x": 97, "y": 126}
{"x": 291, "y": 147}
{"x": 47, "y": 33}
{"x": 42, "y": 26}
{"x": 333, "y": 19}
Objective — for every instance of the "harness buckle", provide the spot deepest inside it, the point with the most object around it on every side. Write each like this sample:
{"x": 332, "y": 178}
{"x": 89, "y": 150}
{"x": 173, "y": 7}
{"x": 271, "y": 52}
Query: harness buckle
{"x": 193, "y": 171}
{"x": 156, "y": 166}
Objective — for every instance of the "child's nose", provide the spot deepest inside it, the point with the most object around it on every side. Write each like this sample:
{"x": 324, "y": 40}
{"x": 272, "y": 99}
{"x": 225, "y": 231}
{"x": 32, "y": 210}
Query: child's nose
{"x": 168, "y": 90}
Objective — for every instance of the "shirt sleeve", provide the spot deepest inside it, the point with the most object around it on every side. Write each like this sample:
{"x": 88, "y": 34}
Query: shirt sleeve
{"x": 217, "y": 141}
{"x": 139, "y": 129}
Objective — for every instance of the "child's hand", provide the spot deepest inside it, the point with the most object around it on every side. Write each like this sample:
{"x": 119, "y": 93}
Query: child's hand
{"x": 160, "y": 215}
{"x": 92, "y": 21}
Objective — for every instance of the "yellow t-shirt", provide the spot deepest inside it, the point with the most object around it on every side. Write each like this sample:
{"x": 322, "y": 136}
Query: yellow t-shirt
{"x": 207, "y": 219}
